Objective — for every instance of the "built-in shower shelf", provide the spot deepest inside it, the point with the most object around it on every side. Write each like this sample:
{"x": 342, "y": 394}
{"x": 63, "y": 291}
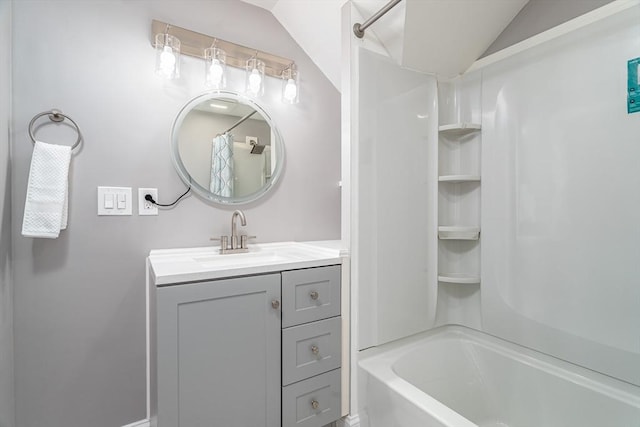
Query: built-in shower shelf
{"x": 464, "y": 279}
{"x": 456, "y": 179}
{"x": 459, "y": 129}
{"x": 447, "y": 232}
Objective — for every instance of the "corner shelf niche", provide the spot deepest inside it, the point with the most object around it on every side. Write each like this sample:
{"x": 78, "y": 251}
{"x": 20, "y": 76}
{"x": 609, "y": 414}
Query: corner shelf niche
{"x": 459, "y": 203}
{"x": 459, "y": 188}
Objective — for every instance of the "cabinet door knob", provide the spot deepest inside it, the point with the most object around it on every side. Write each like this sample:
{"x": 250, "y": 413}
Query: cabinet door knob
{"x": 314, "y": 295}
{"x": 275, "y": 304}
{"x": 315, "y": 349}
{"x": 315, "y": 404}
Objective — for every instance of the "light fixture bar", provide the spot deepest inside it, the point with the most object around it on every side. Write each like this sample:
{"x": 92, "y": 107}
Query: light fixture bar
{"x": 194, "y": 44}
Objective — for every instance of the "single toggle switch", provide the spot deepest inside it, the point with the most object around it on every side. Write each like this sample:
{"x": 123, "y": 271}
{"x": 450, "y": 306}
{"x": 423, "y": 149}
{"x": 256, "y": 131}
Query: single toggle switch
{"x": 108, "y": 201}
{"x": 122, "y": 201}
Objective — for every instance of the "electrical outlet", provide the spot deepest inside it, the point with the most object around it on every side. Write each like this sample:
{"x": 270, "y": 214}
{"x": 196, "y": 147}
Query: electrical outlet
{"x": 145, "y": 207}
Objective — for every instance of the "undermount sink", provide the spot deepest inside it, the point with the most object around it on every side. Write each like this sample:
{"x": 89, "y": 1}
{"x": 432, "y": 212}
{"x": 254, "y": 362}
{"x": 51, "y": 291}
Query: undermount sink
{"x": 194, "y": 264}
{"x": 229, "y": 260}
{"x": 258, "y": 254}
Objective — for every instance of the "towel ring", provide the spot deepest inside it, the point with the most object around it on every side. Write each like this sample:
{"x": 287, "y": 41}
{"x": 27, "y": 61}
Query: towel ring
{"x": 55, "y": 116}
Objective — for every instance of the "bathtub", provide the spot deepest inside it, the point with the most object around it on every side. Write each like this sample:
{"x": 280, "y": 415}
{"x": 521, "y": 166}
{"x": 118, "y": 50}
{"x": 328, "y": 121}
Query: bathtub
{"x": 458, "y": 377}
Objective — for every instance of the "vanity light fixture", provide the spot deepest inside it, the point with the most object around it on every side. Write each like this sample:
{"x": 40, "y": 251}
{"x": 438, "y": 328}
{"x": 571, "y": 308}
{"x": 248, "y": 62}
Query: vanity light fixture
{"x": 290, "y": 85}
{"x": 167, "y": 55}
{"x": 218, "y": 106}
{"x": 215, "y": 63}
{"x": 254, "y": 84}
{"x": 171, "y": 41}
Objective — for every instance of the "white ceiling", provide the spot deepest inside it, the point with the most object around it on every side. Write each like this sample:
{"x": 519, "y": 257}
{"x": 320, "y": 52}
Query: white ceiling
{"x": 265, "y": 4}
{"x": 442, "y": 37}
{"x": 445, "y": 37}
{"x": 315, "y": 26}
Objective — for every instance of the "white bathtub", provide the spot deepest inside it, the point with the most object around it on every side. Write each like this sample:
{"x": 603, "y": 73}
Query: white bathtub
{"x": 457, "y": 377}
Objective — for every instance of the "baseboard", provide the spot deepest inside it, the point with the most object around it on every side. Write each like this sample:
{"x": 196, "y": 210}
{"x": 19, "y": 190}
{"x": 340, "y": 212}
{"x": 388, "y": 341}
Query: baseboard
{"x": 349, "y": 421}
{"x": 141, "y": 423}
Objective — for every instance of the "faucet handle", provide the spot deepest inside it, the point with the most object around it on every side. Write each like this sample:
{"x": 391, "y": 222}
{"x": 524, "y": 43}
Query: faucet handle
{"x": 224, "y": 241}
{"x": 243, "y": 240}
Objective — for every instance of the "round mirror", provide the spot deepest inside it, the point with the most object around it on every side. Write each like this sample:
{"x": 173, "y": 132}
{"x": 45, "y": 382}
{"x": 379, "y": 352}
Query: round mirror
{"x": 226, "y": 147}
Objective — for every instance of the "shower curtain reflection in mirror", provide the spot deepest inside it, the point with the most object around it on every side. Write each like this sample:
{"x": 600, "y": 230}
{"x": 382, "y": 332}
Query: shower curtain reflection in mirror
{"x": 222, "y": 175}
{"x": 225, "y": 162}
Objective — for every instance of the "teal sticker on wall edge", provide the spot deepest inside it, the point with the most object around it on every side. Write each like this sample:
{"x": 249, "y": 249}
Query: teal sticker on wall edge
{"x": 633, "y": 85}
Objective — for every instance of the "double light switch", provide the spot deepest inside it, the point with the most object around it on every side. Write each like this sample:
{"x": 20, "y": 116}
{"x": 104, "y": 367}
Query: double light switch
{"x": 114, "y": 201}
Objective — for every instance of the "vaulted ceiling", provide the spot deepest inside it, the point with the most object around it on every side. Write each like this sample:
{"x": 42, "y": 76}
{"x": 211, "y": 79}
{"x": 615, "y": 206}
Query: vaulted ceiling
{"x": 441, "y": 37}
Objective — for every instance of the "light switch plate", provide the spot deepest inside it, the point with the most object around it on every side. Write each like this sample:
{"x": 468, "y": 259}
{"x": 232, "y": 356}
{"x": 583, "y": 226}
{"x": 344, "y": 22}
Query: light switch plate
{"x": 108, "y": 198}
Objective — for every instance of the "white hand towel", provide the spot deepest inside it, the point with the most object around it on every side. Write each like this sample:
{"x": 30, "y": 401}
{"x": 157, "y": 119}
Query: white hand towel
{"x": 45, "y": 210}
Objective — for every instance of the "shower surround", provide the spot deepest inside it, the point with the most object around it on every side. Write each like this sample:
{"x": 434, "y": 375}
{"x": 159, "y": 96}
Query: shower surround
{"x": 558, "y": 216}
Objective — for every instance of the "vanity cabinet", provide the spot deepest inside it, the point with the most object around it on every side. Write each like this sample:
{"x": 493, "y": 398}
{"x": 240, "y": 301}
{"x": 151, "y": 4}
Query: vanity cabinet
{"x": 311, "y": 346}
{"x": 251, "y": 351}
{"x": 218, "y": 353}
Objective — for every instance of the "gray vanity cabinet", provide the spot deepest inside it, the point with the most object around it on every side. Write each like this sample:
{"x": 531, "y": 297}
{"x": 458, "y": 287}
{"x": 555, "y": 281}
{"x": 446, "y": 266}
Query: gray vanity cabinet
{"x": 311, "y": 346}
{"x": 218, "y": 353}
{"x": 248, "y": 351}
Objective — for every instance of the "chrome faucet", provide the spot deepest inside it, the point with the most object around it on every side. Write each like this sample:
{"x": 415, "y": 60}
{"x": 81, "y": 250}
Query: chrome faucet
{"x": 234, "y": 232}
{"x": 236, "y": 247}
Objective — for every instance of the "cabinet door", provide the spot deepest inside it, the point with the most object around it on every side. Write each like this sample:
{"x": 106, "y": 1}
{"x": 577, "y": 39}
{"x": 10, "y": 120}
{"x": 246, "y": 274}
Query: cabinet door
{"x": 219, "y": 353}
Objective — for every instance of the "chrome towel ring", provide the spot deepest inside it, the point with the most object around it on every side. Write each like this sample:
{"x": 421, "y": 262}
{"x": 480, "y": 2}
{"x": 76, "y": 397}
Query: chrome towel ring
{"x": 55, "y": 116}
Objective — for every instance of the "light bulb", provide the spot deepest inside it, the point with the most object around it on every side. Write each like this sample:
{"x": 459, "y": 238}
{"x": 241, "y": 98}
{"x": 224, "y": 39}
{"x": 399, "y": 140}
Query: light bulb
{"x": 167, "y": 62}
{"x": 216, "y": 71}
{"x": 290, "y": 90}
{"x": 254, "y": 81}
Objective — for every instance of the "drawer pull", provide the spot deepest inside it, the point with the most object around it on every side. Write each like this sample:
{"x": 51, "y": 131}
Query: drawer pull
{"x": 275, "y": 304}
{"x": 315, "y": 349}
{"x": 314, "y": 295}
{"x": 315, "y": 404}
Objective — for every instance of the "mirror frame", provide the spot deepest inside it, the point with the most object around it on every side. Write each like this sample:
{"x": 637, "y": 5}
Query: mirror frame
{"x": 277, "y": 145}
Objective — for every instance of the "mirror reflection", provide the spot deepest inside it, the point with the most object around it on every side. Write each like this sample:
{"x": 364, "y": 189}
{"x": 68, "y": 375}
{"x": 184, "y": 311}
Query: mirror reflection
{"x": 226, "y": 148}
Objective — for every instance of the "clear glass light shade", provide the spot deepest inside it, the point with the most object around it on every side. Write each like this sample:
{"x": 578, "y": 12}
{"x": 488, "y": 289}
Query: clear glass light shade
{"x": 291, "y": 86}
{"x": 215, "y": 63}
{"x": 167, "y": 56}
{"x": 254, "y": 85}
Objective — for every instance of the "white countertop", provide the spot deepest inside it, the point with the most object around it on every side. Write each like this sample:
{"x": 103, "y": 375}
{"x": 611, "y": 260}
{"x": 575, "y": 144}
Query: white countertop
{"x": 169, "y": 266}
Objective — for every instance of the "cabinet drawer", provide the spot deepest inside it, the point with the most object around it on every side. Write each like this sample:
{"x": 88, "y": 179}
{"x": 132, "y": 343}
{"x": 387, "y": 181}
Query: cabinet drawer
{"x": 310, "y": 294}
{"x": 310, "y": 349}
{"x": 314, "y": 402}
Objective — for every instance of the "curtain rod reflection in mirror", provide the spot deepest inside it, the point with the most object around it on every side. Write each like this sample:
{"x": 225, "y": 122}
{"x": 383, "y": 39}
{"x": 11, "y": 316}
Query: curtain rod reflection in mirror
{"x": 170, "y": 41}
{"x": 239, "y": 122}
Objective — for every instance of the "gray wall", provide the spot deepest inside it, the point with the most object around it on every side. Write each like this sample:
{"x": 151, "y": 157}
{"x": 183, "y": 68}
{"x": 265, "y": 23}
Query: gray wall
{"x": 6, "y": 291}
{"x": 540, "y": 15}
{"x": 79, "y": 300}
